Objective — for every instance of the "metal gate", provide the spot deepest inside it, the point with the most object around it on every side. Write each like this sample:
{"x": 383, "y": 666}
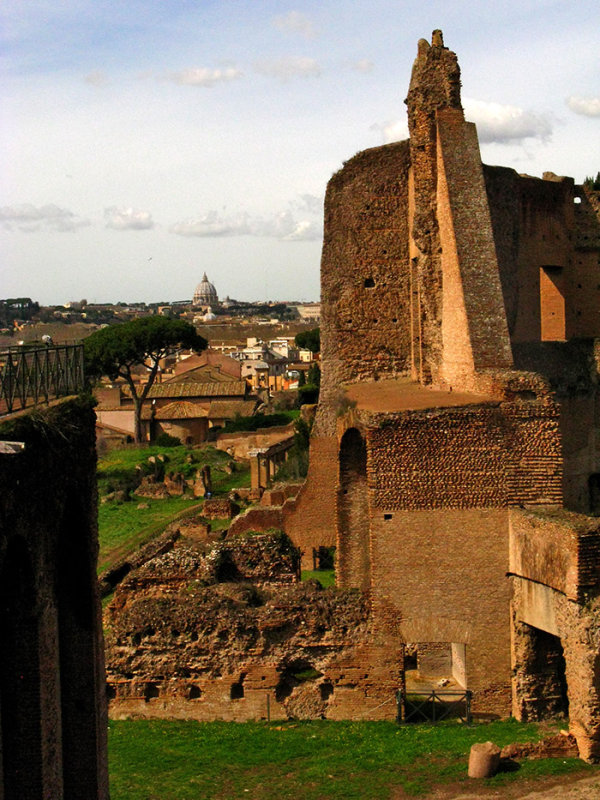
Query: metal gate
{"x": 434, "y": 707}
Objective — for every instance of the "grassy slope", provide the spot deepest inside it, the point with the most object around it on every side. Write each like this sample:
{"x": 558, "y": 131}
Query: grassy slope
{"x": 175, "y": 760}
{"x": 122, "y": 525}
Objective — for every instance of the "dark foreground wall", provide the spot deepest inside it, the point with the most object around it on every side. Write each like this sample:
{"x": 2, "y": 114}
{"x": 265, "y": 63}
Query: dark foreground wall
{"x": 52, "y": 695}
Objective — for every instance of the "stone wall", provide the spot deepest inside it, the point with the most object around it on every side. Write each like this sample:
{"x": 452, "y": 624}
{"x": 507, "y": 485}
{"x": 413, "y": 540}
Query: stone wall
{"x": 364, "y": 289}
{"x": 548, "y": 248}
{"x": 474, "y": 456}
{"x": 556, "y": 548}
{"x": 52, "y": 690}
{"x": 556, "y": 662}
{"x": 178, "y": 647}
{"x": 308, "y": 518}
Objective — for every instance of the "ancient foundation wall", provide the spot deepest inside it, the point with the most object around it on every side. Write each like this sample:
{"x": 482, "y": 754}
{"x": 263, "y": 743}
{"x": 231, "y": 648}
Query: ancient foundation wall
{"x": 440, "y": 576}
{"x": 232, "y": 651}
{"x": 52, "y": 690}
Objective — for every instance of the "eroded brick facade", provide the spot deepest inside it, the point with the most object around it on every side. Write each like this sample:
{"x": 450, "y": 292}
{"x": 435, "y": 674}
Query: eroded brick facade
{"x": 228, "y": 632}
{"x": 458, "y": 389}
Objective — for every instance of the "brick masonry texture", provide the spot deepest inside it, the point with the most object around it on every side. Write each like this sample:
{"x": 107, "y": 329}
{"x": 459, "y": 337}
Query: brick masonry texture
{"x": 494, "y": 281}
{"x": 185, "y": 640}
{"x": 52, "y": 684}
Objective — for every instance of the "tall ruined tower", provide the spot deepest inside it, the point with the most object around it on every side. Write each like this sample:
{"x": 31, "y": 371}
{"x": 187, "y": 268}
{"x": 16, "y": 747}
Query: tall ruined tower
{"x": 434, "y": 85}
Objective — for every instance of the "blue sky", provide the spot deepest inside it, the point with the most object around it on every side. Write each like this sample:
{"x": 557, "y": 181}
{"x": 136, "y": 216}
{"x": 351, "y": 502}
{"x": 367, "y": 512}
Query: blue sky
{"x": 144, "y": 143}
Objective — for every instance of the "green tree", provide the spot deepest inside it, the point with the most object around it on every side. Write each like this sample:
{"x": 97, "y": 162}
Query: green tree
{"x": 592, "y": 183}
{"x": 116, "y": 350}
{"x": 314, "y": 375}
{"x": 309, "y": 340}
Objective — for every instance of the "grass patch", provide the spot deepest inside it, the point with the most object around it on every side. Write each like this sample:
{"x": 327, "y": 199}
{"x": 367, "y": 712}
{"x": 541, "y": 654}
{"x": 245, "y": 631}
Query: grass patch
{"x": 326, "y": 577}
{"x": 117, "y": 468}
{"x": 122, "y": 526}
{"x": 181, "y": 760}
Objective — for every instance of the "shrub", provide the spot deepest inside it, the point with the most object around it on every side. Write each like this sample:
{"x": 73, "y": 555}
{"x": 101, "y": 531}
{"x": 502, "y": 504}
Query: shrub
{"x": 166, "y": 440}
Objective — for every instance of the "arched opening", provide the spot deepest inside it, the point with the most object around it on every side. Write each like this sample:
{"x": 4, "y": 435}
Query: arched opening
{"x": 353, "y": 513}
{"x": 20, "y": 702}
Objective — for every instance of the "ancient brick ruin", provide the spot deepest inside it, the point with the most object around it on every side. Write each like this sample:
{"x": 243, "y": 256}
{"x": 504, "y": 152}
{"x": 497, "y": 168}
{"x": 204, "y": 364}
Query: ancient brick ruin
{"x": 454, "y": 462}
{"x": 52, "y": 683}
{"x": 226, "y": 631}
{"x": 455, "y": 450}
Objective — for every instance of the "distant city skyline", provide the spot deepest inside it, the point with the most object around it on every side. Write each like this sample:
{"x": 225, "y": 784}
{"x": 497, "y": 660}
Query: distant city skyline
{"x": 146, "y": 143}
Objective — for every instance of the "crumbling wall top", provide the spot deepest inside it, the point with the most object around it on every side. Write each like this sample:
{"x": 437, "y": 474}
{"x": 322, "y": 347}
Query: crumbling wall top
{"x": 435, "y": 79}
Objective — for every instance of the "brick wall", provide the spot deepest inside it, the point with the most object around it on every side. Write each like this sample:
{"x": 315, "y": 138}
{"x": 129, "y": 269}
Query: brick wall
{"x": 474, "y": 329}
{"x": 364, "y": 288}
{"x": 557, "y": 548}
{"x": 538, "y": 225}
{"x": 441, "y": 577}
{"x": 475, "y": 456}
{"x": 53, "y": 706}
{"x": 353, "y": 546}
{"x": 567, "y": 679}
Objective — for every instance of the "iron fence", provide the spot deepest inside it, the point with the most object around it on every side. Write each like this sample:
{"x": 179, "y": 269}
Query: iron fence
{"x": 30, "y": 375}
{"x": 435, "y": 706}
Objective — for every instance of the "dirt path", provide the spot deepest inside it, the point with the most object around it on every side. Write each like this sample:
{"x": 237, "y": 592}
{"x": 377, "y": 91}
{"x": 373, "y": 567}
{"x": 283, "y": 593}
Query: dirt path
{"x": 568, "y": 788}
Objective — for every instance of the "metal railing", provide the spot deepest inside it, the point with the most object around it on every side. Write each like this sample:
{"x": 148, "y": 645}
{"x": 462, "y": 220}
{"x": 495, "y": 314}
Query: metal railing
{"x": 435, "y": 706}
{"x": 34, "y": 374}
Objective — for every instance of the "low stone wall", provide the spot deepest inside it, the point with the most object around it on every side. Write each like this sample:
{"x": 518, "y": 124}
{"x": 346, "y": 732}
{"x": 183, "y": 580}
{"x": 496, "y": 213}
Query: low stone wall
{"x": 219, "y": 508}
{"x": 239, "y": 444}
{"x": 178, "y": 648}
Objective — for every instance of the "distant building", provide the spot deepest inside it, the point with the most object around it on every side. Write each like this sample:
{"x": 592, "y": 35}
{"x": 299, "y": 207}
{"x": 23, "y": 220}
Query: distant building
{"x": 205, "y": 294}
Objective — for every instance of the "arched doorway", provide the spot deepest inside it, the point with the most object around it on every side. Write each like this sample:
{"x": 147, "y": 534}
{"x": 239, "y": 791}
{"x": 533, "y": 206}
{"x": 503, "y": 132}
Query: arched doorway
{"x": 354, "y": 562}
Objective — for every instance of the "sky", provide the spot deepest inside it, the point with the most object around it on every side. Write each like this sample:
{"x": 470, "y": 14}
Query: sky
{"x": 144, "y": 143}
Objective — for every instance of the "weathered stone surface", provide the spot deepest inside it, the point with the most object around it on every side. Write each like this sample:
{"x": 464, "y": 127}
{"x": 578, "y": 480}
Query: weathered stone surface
{"x": 484, "y": 760}
{"x": 178, "y": 647}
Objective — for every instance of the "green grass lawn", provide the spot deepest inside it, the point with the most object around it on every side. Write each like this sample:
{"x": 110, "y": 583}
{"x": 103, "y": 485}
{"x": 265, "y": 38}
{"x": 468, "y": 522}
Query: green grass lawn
{"x": 177, "y": 760}
{"x": 326, "y": 577}
{"x": 123, "y": 526}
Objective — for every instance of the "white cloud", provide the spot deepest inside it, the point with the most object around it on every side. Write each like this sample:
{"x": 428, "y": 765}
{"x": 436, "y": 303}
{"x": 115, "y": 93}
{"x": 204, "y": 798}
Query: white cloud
{"x": 96, "y": 78}
{"x": 586, "y": 106}
{"x": 392, "y": 131}
{"x": 506, "y": 124}
{"x": 289, "y": 67}
{"x": 28, "y": 218}
{"x": 205, "y": 77}
{"x": 309, "y": 204}
{"x": 127, "y": 219}
{"x": 304, "y": 231}
{"x": 212, "y": 224}
{"x": 295, "y": 22}
{"x": 363, "y": 65}
{"x": 283, "y": 226}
